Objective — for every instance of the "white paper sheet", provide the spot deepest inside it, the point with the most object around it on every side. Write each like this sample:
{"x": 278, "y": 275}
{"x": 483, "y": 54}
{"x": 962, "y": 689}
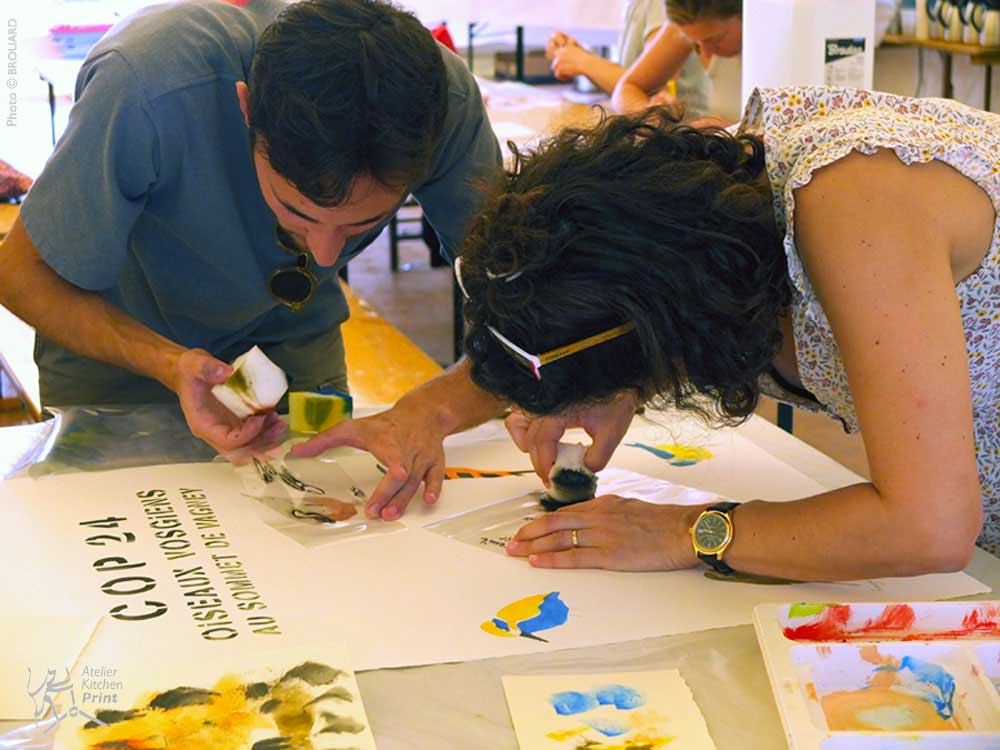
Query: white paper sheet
{"x": 614, "y": 710}
{"x": 145, "y": 548}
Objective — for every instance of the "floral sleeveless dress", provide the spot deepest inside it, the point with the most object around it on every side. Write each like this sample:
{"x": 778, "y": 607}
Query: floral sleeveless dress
{"x": 806, "y": 128}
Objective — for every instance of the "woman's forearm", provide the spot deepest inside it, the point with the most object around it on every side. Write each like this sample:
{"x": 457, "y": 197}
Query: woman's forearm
{"x": 849, "y": 534}
{"x": 628, "y": 98}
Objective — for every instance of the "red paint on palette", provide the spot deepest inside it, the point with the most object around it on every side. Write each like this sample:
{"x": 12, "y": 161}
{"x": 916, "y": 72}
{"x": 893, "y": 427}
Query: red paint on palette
{"x": 832, "y": 625}
{"x": 982, "y": 620}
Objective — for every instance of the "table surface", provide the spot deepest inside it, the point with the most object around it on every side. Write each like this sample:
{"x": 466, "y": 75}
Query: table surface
{"x": 463, "y": 705}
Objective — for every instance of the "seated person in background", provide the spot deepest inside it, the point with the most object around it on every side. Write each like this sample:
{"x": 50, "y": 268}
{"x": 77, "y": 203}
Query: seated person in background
{"x": 696, "y": 30}
{"x": 643, "y": 19}
{"x": 221, "y": 164}
{"x": 806, "y": 257}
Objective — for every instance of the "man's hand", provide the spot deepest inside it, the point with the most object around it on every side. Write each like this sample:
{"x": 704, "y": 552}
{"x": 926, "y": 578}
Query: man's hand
{"x": 606, "y": 424}
{"x": 405, "y": 442}
{"x": 196, "y": 372}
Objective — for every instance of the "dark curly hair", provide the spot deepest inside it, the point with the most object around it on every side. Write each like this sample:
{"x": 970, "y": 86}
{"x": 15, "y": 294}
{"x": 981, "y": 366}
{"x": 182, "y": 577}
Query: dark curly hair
{"x": 640, "y": 219}
{"x": 340, "y": 88}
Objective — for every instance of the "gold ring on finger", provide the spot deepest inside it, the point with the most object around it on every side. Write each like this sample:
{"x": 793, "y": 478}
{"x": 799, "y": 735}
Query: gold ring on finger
{"x": 575, "y": 536}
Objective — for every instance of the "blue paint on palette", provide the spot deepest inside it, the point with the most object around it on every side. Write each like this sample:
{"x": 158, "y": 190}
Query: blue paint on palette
{"x": 938, "y": 682}
{"x": 501, "y": 624}
{"x": 571, "y": 702}
{"x": 619, "y": 696}
{"x": 609, "y": 727}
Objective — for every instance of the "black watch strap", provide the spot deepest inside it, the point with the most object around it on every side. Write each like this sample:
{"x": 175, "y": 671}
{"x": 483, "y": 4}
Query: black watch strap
{"x": 713, "y": 561}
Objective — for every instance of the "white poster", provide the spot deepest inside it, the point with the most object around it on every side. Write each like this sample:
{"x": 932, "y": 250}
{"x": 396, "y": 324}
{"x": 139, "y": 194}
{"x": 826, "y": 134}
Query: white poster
{"x": 182, "y": 556}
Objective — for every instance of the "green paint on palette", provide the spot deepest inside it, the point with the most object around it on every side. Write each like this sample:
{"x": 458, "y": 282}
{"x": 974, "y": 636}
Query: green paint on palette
{"x": 808, "y": 609}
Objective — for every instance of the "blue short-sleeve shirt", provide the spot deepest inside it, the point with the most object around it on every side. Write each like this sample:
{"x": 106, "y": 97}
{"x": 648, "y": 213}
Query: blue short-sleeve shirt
{"x": 151, "y": 199}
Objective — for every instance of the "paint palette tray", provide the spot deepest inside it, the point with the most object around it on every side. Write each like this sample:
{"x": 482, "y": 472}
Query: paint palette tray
{"x": 898, "y": 676}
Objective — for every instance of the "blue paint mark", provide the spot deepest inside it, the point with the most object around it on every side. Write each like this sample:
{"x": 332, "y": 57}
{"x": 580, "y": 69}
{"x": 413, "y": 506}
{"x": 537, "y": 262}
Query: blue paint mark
{"x": 683, "y": 463}
{"x": 619, "y": 696}
{"x": 552, "y": 612}
{"x": 572, "y": 702}
{"x": 941, "y": 685}
{"x": 501, "y": 624}
{"x": 608, "y": 727}
{"x": 667, "y": 455}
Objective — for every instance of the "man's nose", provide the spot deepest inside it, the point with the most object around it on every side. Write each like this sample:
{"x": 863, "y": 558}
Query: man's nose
{"x": 326, "y": 246}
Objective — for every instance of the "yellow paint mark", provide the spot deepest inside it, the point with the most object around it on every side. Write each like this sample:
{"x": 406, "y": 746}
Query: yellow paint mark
{"x": 514, "y": 613}
{"x": 226, "y": 722}
{"x": 811, "y": 692}
{"x": 566, "y": 734}
{"x": 491, "y": 627}
{"x": 640, "y": 740}
{"x": 687, "y": 452}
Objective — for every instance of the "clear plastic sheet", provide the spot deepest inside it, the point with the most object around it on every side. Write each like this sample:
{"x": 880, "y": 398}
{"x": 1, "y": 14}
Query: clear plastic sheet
{"x": 100, "y": 438}
{"x": 492, "y": 526}
{"x": 313, "y": 502}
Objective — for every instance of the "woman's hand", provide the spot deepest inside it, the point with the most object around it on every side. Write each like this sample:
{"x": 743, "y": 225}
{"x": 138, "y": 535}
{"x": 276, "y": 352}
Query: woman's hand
{"x": 569, "y": 61}
{"x": 606, "y": 424}
{"x": 558, "y": 41}
{"x": 614, "y": 533}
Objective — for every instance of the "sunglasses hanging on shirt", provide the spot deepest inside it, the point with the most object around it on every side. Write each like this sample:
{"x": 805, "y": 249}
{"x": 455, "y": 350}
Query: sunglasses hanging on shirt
{"x": 292, "y": 286}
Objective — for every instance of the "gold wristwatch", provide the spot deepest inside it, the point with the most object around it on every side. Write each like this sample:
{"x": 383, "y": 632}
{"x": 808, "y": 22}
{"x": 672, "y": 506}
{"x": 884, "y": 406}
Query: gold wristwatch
{"x": 712, "y": 534}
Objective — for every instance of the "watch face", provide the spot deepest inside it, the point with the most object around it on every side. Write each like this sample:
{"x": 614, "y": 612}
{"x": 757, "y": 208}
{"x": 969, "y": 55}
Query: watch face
{"x": 711, "y": 531}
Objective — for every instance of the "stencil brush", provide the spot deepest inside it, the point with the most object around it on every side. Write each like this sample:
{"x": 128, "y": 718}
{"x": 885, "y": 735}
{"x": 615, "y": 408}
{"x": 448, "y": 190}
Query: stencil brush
{"x": 571, "y": 481}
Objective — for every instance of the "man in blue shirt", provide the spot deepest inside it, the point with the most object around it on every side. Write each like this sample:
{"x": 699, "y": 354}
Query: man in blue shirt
{"x": 220, "y": 165}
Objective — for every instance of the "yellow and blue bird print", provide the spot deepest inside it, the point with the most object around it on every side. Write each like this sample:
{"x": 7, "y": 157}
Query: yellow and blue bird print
{"x": 525, "y": 617}
{"x": 677, "y": 455}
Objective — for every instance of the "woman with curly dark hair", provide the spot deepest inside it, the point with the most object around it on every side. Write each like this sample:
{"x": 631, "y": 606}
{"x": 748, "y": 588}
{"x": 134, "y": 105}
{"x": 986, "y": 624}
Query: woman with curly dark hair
{"x": 808, "y": 256}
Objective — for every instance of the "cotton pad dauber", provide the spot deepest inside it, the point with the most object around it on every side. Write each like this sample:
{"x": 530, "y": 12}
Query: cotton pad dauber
{"x": 256, "y": 385}
{"x": 571, "y": 481}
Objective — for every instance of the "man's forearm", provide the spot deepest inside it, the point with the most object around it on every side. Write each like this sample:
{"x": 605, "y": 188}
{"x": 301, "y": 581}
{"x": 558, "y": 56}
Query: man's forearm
{"x": 452, "y": 401}
{"x": 76, "y": 319}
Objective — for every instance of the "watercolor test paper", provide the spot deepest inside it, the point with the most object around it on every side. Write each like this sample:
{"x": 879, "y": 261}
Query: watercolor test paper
{"x": 616, "y": 710}
{"x": 301, "y": 696}
{"x": 181, "y": 555}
